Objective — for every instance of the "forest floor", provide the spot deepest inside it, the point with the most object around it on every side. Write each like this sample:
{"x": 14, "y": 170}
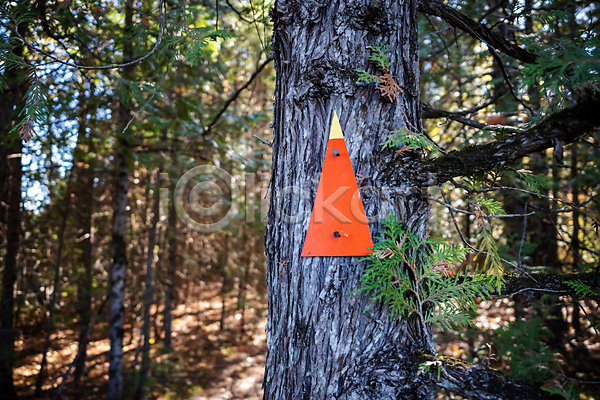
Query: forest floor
{"x": 206, "y": 363}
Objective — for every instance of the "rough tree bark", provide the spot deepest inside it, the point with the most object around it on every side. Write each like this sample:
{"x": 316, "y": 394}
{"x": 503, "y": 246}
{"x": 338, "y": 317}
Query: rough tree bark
{"x": 320, "y": 342}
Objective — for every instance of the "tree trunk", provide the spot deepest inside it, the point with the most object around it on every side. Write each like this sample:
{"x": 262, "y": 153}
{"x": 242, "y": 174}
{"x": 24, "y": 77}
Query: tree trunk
{"x": 119, "y": 234}
{"x": 9, "y": 275}
{"x": 575, "y": 243}
{"x": 223, "y": 260}
{"x": 84, "y": 285}
{"x": 149, "y": 291}
{"x": 11, "y": 169}
{"x": 55, "y": 289}
{"x": 321, "y": 343}
{"x": 171, "y": 267}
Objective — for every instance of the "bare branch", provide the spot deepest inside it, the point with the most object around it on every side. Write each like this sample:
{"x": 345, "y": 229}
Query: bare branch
{"x": 479, "y": 382}
{"x": 565, "y": 126}
{"x": 235, "y": 96}
{"x": 429, "y": 112}
{"x": 548, "y": 283}
{"x": 476, "y": 30}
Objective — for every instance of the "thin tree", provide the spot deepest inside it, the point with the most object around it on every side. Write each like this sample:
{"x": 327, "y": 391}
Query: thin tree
{"x": 149, "y": 291}
{"x": 119, "y": 234}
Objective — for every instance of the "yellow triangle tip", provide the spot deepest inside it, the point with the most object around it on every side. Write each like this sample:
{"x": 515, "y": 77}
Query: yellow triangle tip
{"x": 336, "y": 128}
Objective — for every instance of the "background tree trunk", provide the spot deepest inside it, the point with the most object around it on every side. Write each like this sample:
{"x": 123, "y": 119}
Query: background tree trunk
{"x": 11, "y": 170}
{"x": 119, "y": 267}
{"x": 55, "y": 287}
{"x": 320, "y": 341}
{"x": 84, "y": 285}
{"x": 149, "y": 290}
{"x": 171, "y": 267}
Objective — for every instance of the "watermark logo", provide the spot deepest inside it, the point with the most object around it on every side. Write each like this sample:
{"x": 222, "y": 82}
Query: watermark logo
{"x": 199, "y": 187}
{"x": 207, "y": 199}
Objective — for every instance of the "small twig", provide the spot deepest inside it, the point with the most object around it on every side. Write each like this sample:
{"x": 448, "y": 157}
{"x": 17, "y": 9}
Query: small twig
{"x": 586, "y": 314}
{"x": 217, "y": 9}
{"x": 430, "y": 112}
{"x": 507, "y": 79}
{"x": 483, "y": 216}
{"x": 161, "y": 24}
{"x": 529, "y": 290}
{"x": 473, "y": 248}
{"x": 263, "y": 141}
{"x": 84, "y": 338}
{"x": 235, "y": 96}
{"x": 149, "y": 100}
{"x": 239, "y": 14}
{"x": 262, "y": 45}
{"x": 523, "y": 236}
{"x": 492, "y": 189}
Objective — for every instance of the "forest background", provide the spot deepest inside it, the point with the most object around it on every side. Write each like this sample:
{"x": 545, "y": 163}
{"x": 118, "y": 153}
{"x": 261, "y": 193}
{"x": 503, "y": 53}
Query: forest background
{"x": 106, "y": 105}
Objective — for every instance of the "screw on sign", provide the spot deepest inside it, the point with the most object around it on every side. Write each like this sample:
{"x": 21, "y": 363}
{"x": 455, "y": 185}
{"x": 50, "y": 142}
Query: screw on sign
{"x": 338, "y": 224}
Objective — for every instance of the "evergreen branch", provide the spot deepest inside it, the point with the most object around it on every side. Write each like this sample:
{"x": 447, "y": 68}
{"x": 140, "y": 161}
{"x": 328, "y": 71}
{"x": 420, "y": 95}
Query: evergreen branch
{"x": 558, "y": 284}
{"x": 476, "y": 250}
{"x": 570, "y": 206}
{"x": 364, "y": 76}
{"x": 472, "y": 213}
{"x": 161, "y": 26}
{"x": 410, "y": 275}
{"x": 580, "y": 288}
{"x": 379, "y": 56}
{"x": 156, "y": 88}
{"x": 36, "y": 108}
{"x": 403, "y": 137}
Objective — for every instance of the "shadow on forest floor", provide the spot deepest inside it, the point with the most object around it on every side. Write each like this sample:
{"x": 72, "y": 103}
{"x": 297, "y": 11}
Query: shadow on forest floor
{"x": 209, "y": 364}
{"x": 205, "y": 363}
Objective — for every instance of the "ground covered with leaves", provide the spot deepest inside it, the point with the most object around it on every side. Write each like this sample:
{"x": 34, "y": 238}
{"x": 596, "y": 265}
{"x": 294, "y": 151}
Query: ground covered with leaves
{"x": 206, "y": 363}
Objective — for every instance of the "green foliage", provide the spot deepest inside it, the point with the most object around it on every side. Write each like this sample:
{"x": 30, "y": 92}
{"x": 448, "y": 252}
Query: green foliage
{"x": 564, "y": 66}
{"x": 364, "y": 76}
{"x": 413, "y": 276}
{"x": 519, "y": 344}
{"x": 567, "y": 390}
{"x": 487, "y": 244}
{"x": 535, "y": 182}
{"x": 426, "y": 366}
{"x": 191, "y": 42}
{"x": 580, "y": 288}
{"x": 552, "y": 17}
{"x": 403, "y": 137}
{"x": 378, "y": 57}
{"x": 36, "y": 107}
{"x": 8, "y": 59}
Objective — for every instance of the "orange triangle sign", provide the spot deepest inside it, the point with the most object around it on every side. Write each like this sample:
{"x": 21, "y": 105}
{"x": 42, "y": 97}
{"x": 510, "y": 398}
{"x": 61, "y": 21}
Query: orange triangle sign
{"x": 338, "y": 225}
